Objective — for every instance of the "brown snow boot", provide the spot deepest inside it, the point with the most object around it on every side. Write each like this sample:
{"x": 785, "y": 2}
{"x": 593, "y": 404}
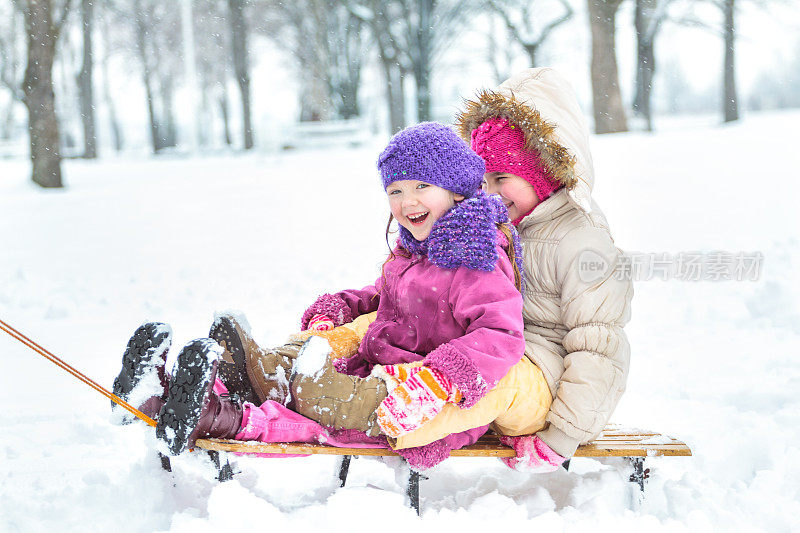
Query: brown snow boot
{"x": 338, "y": 400}
{"x": 142, "y": 380}
{"x": 253, "y": 373}
{"x": 192, "y": 409}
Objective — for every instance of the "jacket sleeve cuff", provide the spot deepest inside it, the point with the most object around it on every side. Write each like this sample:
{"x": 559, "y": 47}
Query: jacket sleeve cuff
{"x": 559, "y": 442}
{"x": 461, "y": 371}
{"x": 330, "y": 305}
{"x": 424, "y": 457}
{"x": 352, "y": 366}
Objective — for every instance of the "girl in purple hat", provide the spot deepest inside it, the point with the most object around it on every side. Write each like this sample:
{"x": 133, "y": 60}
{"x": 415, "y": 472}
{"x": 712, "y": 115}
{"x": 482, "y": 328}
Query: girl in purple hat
{"x": 441, "y": 348}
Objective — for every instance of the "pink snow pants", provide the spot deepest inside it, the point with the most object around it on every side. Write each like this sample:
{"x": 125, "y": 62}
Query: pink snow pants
{"x": 272, "y": 422}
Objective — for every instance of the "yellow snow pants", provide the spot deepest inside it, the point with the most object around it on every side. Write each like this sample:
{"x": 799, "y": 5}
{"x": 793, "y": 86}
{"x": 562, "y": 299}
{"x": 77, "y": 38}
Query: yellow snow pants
{"x": 517, "y": 405}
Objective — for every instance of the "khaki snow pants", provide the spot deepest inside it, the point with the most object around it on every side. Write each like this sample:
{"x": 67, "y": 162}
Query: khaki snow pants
{"x": 517, "y": 405}
{"x": 332, "y": 399}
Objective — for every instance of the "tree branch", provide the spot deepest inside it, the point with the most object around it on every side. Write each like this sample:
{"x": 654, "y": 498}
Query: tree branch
{"x": 507, "y": 20}
{"x": 552, "y": 25}
{"x": 58, "y": 23}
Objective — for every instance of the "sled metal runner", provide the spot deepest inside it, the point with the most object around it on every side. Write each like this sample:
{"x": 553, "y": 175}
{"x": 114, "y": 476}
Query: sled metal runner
{"x": 614, "y": 441}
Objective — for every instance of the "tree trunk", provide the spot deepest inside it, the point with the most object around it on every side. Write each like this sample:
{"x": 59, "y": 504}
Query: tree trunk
{"x": 645, "y": 60}
{"x": 168, "y": 126}
{"x": 8, "y": 121}
{"x": 39, "y": 97}
{"x": 349, "y": 101}
{"x": 67, "y": 91}
{"x": 147, "y": 77}
{"x": 394, "y": 94}
{"x": 223, "y": 108}
{"x": 86, "y": 81}
{"x": 422, "y": 66}
{"x": 531, "y": 51}
{"x": 392, "y": 71}
{"x": 190, "y": 69}
{"x": 731, "y": 103}
{"x": 205, "y": 115}
{"x": 116, "y": 131}
{"x": 241, "y": 66}
{"x": 8, "y": 77}
{"x": 609, "y": 113}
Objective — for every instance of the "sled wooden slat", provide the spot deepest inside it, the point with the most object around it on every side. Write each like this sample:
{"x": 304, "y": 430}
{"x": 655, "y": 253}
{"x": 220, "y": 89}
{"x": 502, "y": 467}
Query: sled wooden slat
{"x": 612, "y": 442}
{"x": 286, "y": 448}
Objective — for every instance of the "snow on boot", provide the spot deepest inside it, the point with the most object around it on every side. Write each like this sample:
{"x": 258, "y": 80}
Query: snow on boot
{"x": 246, "y": 369}
{"x": 192, "y": 409}
{"x": 142, "y": 380}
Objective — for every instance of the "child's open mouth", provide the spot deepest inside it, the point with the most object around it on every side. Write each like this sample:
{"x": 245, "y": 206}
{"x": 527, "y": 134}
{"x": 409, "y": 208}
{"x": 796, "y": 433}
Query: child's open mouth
{"x": 418, "y": 219}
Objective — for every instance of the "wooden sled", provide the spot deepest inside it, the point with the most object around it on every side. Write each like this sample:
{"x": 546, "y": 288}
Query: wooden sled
{"x": 635, "y": 445}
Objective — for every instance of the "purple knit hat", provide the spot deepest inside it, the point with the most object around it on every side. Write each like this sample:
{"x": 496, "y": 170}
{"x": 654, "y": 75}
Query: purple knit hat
{"x": 433, "y": 153}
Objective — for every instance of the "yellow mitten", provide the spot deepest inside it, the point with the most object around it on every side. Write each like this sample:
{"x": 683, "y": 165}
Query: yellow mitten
{"x": 343, "y": 341}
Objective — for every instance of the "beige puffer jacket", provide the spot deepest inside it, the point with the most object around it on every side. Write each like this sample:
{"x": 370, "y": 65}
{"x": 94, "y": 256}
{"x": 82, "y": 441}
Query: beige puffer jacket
{"x": 575, "y": 303}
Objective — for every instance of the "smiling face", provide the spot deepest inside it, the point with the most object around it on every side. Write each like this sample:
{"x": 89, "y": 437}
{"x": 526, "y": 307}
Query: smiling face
{"x": 516, "y": 192}
{"x": 418, "y": 205}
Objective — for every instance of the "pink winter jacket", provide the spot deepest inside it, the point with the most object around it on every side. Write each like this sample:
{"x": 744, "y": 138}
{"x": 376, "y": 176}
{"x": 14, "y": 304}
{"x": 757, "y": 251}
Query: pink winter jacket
{"x": 465, "y": 322}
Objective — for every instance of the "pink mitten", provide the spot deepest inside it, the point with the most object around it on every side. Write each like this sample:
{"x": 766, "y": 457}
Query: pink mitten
{"x": 320, "y": 323}
{"x": 415, "y": 401}
{"x": 533, "y": 455}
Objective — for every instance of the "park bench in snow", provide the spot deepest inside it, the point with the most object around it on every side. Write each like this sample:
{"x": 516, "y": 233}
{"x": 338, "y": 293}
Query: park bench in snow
{"x": 325, "y": 134}
{"x": 635, "y": 445}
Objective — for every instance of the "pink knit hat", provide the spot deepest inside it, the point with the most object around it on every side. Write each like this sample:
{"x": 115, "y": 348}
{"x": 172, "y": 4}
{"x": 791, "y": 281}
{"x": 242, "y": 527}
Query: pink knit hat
{"x": 501, "y": 144}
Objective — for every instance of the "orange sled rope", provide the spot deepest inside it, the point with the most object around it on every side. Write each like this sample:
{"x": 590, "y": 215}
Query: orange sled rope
{"x": 47, "y": 355}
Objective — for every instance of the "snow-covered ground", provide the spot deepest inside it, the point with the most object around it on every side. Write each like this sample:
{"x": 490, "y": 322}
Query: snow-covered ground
{"x": 714, "y": 363}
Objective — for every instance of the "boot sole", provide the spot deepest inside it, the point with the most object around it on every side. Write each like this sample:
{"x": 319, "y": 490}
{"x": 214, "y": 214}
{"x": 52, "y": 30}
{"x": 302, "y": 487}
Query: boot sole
{"x": 234, "y": 376}
{"x": 144, "y": 353}
{"x": 189, "y": 390}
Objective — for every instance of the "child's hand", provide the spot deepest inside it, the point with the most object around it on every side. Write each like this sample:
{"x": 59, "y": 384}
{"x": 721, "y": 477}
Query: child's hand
{"x": 394, "y": 375}
{"x": 533, "y": 455}
{"x": 320, "y": 323}
{"x": 420, "y": 396}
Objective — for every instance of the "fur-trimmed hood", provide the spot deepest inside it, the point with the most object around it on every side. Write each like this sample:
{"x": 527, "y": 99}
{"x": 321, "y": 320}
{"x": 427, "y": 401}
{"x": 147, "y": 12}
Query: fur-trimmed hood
{"x": 543, "y": 104}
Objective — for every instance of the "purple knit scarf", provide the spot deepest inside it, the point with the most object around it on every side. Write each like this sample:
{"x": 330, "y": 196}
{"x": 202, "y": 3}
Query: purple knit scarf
{"x": 466, "y": 235}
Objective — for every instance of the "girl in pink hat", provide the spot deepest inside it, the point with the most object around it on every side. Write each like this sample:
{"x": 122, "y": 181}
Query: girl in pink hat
{"x": 532, "y": 136}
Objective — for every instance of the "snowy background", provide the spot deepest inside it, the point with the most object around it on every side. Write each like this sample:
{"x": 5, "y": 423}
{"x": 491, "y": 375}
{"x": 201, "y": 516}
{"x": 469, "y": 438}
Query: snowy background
{"x": 172, "y": 239}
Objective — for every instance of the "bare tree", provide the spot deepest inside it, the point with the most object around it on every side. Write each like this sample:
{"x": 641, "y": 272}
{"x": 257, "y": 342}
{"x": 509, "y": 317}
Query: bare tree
{"x": 649, "y": 17}
{"x": 525, "y": 27}
{"x": 326, "y": 39}
{"x": 117, "y": 139}
{"x": 155, "y": 28}
{"x": 609, "y": 113}
{"x": 66, "y": 68}
{"x": 348, "y": 54}
{"x": 384, "y": 20}
{"x": 411, "y": 34}
{"x": 731, "y": 100}
{"x": 147, "y": 73}
{"x": 498, "y": 55}
{"x": 12, "y": 41}
{"x": 43, "y": 25}
{"x": 778, "y": 90}
{"x": 86, "y": 82}
{"x": 421, "y": 37}
{"x": 213, "y": 60}
{"x": 728, "y": 9}
{"x": 241, "y": 65}
{"x": 431, "y": 27}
